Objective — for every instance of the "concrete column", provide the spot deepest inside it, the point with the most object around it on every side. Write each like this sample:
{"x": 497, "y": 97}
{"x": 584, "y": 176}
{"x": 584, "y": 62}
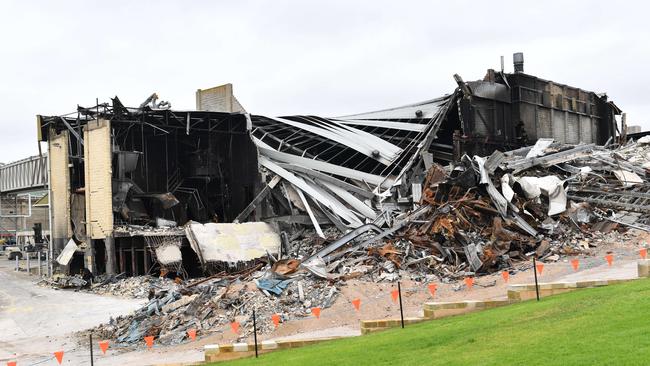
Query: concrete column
{"x": 146, "y": 259}
{"x": 109, "y": 244}
{"x": 48, "y": 262}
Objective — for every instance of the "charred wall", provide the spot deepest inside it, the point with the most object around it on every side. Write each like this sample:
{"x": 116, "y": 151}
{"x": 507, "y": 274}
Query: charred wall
{"x": 212, "y": 174}
{"x": 507, "y": 111}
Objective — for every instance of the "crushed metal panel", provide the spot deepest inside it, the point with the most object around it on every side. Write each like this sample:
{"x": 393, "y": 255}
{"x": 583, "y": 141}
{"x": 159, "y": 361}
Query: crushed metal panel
{"x": 233, "y": 243}
{"x": 98, "y": 188}
{"x": 350, "y": 199}
{"x": 67, "y": 253}
{"x": 313, "y": 191}
{"x": 59, "y": 188}
{"x": 539, "y": 148}
{"x": 550, "y": 186}
{"x": 303, "y": 199}
{"x": 322, "y": 166}
{"x": 358, "y": 140}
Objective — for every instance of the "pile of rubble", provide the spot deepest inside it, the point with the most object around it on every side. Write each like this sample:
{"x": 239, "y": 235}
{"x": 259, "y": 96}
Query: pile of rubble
{"x": 552, "y": 199}
{"x": 208, "y": 305}
{"x": 59, "y": 281}
{"x": 115, "y": 285}
{"x": 482, "y": 214}
{"x": 132, "y": 287}
{"x": 477, "y": 216}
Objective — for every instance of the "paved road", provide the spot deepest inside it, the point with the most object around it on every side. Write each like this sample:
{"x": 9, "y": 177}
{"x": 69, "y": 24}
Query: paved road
{"x": 36, "y": 321}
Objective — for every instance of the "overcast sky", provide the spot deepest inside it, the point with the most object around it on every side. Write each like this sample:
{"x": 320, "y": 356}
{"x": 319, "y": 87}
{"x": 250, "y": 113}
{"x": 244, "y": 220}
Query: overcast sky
{"x": 304, "y": 57}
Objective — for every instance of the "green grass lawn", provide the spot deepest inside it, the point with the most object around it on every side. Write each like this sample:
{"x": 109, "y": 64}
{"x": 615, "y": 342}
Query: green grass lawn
{"x": 601, "y": 326}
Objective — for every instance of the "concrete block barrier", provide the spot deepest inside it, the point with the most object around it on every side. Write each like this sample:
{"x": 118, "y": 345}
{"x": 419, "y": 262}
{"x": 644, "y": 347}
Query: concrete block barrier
{"x": 369, "y": 326}
{"x": 437, "y": 310}
{"x": 527, "y": 291}
{"x": 643, "y": 268}
{"x": 212, "y": 352}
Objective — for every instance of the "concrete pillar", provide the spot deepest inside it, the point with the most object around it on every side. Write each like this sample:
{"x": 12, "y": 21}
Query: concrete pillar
{"x": 134, "y": 261}
{"x": 89, "y": 256}
{"x": 146, "y": 259}
{"x": 48, "y": 263}
{"x": 109, "y": 244}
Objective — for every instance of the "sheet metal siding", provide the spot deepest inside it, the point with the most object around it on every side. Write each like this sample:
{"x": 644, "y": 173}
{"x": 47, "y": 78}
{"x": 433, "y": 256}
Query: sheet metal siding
{"x": 26, "y": 174}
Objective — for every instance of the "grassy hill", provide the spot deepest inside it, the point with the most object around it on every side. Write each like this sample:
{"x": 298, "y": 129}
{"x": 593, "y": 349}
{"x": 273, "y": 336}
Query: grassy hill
{"x": 601, "y": 326}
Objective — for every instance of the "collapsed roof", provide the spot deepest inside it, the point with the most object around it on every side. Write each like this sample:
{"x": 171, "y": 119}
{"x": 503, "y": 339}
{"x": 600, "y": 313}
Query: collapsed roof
{"x": 347, "y": 165}
{"x": 346, "y": 171}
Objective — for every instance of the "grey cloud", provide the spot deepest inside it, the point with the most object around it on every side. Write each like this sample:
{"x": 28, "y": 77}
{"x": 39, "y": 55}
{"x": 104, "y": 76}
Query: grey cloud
{"x": 318, "y": 57}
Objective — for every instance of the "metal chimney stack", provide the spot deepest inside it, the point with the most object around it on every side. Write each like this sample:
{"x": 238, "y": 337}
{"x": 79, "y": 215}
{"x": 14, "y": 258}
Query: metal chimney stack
{"x": 518, "y": 61}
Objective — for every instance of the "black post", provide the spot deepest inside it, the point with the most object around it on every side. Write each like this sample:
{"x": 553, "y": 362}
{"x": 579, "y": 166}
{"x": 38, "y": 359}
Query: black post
{"x": 401, "y": 311}
{"x": 91, "y": 349}
{"x": 255, "y": 332}
{"x": 535, "y": 272}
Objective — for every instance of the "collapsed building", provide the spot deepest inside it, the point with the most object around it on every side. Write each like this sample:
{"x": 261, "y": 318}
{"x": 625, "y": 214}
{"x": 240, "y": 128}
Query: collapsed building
{"x": 140, "y": 189}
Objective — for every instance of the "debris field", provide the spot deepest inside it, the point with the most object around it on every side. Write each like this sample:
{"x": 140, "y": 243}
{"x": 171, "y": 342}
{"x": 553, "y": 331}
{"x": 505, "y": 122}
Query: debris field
{"x": 481, "y": 215}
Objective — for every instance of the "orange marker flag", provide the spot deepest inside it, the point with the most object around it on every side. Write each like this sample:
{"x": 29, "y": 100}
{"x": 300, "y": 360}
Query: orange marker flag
{"x": 609, "y": 258}
{"x": 11, "y": 363}
{"x": 469, "y": 282}
{"x": 432, "y": 289}
{"x": 643, "y": 253}
{"x": 540, "y": 268}
{"x": 191, "y": 333}
{"x": 506, "y": 276}
{"x": 59, "y": 356}
{"x": 316, "y": 312}
{"x": 149, "y": 340}
{"x": 275, "y": 318}
{"x": 235, "y": 327}
{"x": 575, "y": 264}
{"x": 394, "y": 295}
{"x": 357, "y": 304}
{"x": 103, "y": 345}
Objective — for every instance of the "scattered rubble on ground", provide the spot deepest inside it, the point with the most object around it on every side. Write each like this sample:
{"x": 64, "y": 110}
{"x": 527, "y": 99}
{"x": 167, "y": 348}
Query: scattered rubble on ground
{"x": 209, "y": 305}
{"x": 478, "y": 216}
{"x": 132, "y": 287}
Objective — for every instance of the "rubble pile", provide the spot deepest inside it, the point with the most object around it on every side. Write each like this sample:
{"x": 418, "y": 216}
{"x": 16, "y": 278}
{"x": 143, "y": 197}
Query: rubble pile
{"x": 483, "y": 214}
{"x": 552, "y": 199}
{"x": 131, "y": 287}
{"x": 475, "y": 217}
{"x": 66, "y": 282}
{"x": 209, "y": 305}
